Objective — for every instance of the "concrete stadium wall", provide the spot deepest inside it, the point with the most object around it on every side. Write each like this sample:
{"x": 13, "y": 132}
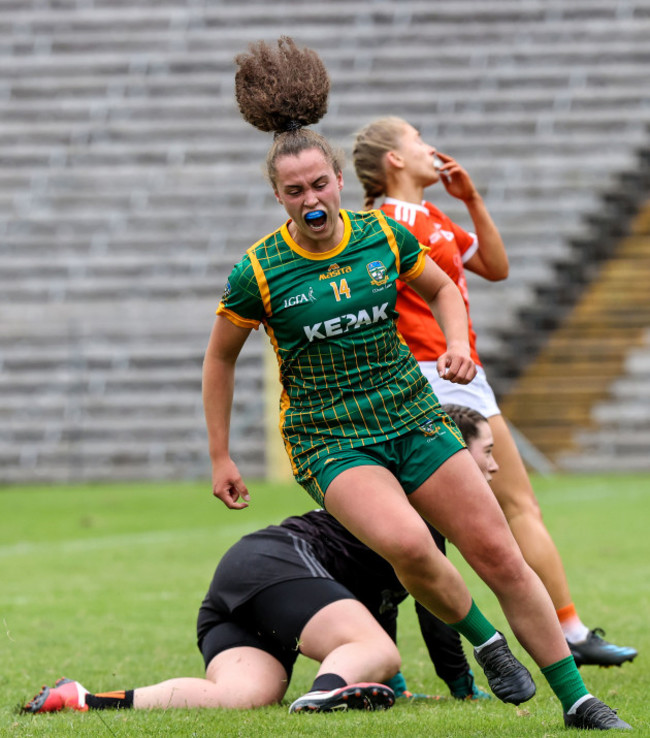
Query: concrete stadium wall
{"x": 129, "y": 186}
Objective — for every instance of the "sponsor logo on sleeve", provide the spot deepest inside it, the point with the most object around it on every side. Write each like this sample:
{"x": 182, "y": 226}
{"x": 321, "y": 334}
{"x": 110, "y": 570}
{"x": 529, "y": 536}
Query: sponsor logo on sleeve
{"x": 226, "y": 292}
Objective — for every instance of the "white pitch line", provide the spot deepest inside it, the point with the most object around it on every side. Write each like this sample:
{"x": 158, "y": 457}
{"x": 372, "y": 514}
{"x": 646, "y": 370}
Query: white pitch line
{"x": 155, "y": 537}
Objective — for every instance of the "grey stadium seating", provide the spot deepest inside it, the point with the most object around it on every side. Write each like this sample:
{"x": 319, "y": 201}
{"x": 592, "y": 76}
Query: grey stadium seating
{"x": 130, "y": 185}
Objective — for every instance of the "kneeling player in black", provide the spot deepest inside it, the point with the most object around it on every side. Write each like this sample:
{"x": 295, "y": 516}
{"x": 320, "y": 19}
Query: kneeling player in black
{"x": 271, "y": 598}
{"x": 306, "y": 586}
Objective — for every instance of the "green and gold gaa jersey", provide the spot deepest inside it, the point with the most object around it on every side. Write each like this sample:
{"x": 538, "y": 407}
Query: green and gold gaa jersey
{"x": 348, "y": 377}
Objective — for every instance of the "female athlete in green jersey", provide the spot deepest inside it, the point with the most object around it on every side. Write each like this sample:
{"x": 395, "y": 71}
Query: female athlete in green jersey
{"x": 348, "y": 379}
{"x": 364, "y": 432}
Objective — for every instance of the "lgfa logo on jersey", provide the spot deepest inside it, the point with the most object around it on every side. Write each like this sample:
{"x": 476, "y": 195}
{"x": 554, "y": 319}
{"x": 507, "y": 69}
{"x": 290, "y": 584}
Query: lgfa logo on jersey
{"x": 378, "y": 273}
{"x": 299, "y": 299}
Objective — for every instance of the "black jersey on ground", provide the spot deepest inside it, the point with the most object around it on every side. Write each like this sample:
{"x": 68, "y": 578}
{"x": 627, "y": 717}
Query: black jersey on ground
{"x": 369, "y": 577}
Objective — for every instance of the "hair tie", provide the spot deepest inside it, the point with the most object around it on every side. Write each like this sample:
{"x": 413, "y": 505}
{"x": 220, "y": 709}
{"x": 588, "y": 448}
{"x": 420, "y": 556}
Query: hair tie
{"x": 292, "y": 125}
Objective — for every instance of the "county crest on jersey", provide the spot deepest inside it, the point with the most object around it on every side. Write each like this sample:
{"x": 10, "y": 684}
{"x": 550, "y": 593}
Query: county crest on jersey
{"x": 348, "y": 379}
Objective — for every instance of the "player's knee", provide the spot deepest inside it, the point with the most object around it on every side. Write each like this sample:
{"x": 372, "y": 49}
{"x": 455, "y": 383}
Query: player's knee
{"x": 258, "y": 693}
{"x": 520, "y": 507}
{"x": 499, "y": 563}
{"x": 413, "y": 551}
{"x": 391, "y": 659}
{"x": 385, "y": 657}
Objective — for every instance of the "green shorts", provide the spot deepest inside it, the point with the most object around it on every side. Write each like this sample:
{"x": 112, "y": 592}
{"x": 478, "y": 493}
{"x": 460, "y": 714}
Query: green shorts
{"x": 411, "y": 458}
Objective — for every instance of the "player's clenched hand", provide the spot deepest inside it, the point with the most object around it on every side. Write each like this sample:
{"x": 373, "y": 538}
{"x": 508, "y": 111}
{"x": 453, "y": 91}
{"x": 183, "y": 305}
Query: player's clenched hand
{"x": 457, "y": 367}
{"x": 228, "y": 485}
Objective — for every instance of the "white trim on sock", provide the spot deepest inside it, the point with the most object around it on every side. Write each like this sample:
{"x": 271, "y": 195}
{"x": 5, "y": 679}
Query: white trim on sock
{"x": 574, "y": 707}
{"x": 496, "y": 637}
{"x": 575, "y": 632}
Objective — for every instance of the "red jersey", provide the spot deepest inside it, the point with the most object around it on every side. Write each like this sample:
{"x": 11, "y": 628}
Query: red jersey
{"x": 450, "y": 247}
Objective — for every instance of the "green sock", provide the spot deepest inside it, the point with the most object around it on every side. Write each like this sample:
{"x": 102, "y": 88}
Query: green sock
{"x": 475, "y": 626}
{"x": 565, "y": 680}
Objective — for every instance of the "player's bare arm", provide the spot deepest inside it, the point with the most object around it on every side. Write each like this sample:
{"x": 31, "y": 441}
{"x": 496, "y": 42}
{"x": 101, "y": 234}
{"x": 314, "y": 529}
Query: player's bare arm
{"x": 447, "y": 306}
{"x": 226, "y": 341}
{"x": 491, "y": 259}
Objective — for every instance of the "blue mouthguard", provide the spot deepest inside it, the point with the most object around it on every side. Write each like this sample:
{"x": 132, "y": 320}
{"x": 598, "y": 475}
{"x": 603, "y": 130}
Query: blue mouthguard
{"x": 314, "y": 214}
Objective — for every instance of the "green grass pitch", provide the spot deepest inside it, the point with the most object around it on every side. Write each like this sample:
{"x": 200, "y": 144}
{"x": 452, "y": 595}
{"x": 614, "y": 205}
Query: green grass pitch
{"x": 102, "y": 584}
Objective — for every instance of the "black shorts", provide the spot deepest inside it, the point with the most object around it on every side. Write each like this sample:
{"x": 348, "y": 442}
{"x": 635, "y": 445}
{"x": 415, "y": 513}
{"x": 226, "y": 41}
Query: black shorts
{"x": 263, "y": 593}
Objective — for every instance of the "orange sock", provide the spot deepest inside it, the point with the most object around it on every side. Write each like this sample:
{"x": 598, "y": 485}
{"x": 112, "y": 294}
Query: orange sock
{"x": 573, "y": 628}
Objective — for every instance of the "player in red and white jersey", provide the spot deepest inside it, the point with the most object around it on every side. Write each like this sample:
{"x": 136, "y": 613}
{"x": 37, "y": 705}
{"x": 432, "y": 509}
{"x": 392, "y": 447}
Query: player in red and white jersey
{"x": 392, "y": 162}
{"x": 449, "y": 246}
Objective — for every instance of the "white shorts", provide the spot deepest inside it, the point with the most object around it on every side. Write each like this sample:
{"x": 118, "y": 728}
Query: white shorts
{"x": 477, "y": 394}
